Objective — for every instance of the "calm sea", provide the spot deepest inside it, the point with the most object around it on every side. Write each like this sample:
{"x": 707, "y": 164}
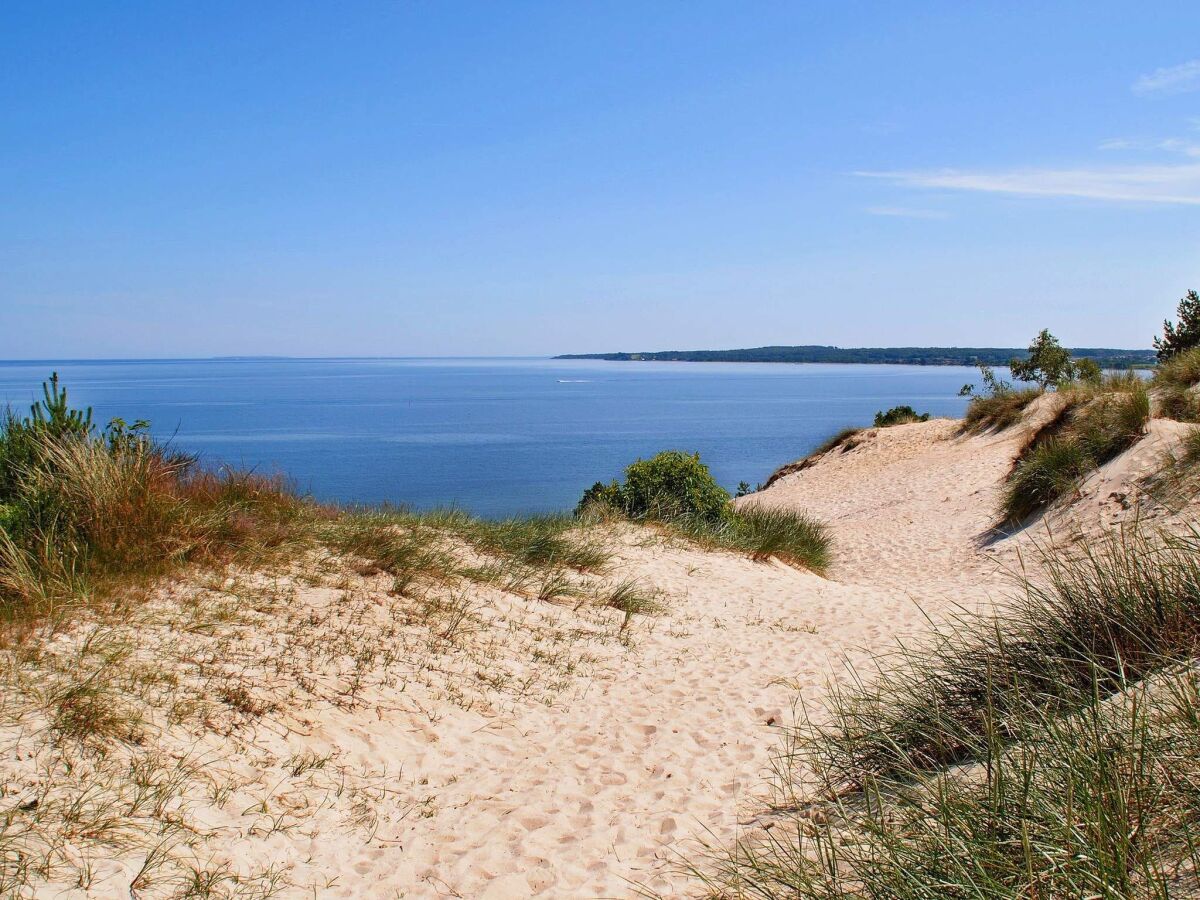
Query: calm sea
{"x": 494, "y": 436}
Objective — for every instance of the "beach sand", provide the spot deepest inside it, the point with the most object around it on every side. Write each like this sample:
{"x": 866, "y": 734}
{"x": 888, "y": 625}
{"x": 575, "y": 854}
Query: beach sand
{"x": 527, "y": 748}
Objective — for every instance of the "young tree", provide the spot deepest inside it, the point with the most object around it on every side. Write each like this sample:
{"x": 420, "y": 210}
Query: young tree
{"x": 1183, "y": 335}
{"x": 1088, "y": 371}
{"x": 1049, "y": 363}
{"x": 991, "y": 384}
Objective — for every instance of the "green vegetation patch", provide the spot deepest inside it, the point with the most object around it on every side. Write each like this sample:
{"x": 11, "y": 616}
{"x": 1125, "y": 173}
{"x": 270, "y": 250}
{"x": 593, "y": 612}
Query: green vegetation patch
{"x": 676, "y": 490}
{"x": 1175, "y": 384}
{"x": 1092, "y": 427}
{"x": 86, "y": 510}
{"x": 899, "y": 415}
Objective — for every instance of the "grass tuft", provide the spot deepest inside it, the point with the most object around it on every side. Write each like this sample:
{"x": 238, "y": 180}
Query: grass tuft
{"x": 1091, "y": 428}
{"x": 84, "y": 519}
{"x": 1175, "y": 382}
{"x": 765, "y": 532}
{"x": 632, "y": 598}
{"x": 998, "y": 411}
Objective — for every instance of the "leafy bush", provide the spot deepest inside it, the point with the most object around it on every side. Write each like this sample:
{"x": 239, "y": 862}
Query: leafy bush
{"x": 1088, "y": 371}
{"x": 1048, "y": 363}
{"x": 667, "y": 486}
{"x": 601, "y": 497}
{"x": 899, "y": 415}
{"x": 673, "y": 485}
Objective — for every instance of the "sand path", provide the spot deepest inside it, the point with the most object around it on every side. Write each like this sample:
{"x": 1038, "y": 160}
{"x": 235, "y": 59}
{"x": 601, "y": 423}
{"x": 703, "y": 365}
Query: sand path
{"x": 604, "y": 790}
{"x": 549, "y": 753}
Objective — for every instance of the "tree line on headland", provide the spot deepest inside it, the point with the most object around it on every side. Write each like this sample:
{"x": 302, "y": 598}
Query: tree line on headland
{"x": 1106, "y": 357}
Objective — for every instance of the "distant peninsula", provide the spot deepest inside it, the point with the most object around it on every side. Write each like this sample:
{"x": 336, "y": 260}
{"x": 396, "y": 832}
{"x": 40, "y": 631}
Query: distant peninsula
{"x": 1107, "y": 357}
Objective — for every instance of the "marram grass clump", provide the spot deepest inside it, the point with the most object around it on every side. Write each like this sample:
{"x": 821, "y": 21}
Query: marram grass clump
{"x": 87, "y": 511}
{"x": 1175, "y": 383}
{"x": 764, "y": 533}
{"x": 1092, "y": 426}
{"x": 844, "y": 440}
{"x": 997, "y": 411}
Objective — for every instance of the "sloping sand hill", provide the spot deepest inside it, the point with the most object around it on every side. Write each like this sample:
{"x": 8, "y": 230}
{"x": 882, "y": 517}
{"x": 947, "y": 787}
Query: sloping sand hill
{"x": 311, "y": 734}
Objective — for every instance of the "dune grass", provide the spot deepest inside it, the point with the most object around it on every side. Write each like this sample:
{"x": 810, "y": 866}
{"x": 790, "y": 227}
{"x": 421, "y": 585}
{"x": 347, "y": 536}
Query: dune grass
{"x": 83, "y": 518}
{"x": 1173, "y": 383}
{"x": 1047, "y": 751}
{"x": 998, "y": 411}
{"x": 393, "y": 544}
{"x": 539, "y": 541}
{"x": 631, "y": 597}
{"x": 1122, "y": 610}
{"x": 763, "y": 533}
{"x": 1092, "y": 426}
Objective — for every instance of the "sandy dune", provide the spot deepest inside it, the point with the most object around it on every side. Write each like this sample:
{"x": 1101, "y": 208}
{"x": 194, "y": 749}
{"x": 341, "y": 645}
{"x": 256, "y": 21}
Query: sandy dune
{"x": 537, "y": 750}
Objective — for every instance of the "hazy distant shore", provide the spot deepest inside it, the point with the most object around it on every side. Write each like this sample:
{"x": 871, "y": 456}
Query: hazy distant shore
{"x": 1107, "y": 357}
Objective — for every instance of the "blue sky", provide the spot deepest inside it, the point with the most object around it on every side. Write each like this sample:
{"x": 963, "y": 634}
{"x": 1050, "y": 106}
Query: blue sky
{"x": 493, "y": 178}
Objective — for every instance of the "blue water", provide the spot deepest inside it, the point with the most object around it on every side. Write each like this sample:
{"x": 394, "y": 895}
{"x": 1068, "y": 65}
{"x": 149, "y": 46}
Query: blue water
{"x": 494, "y": 436}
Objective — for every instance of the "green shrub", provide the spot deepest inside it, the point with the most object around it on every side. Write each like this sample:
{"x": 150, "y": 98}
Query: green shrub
{"x": 1088, "y": 371}
{"x": 601, "y": 497}
{"x": 1182, "y": 336}
{"x": 667, "y": 486}
{"x": 1048, "y": 363}
{"x": 672, "y": 485}
{"x": 899, "y": 415}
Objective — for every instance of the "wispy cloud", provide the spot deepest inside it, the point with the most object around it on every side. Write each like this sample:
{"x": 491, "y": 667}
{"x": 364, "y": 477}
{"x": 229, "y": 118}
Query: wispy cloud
{"x": 904, "y": 212}
{"x": 1170, "y": 79}
{"x": 1174, "y": 184}
{"x": 1171, "y": 145}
